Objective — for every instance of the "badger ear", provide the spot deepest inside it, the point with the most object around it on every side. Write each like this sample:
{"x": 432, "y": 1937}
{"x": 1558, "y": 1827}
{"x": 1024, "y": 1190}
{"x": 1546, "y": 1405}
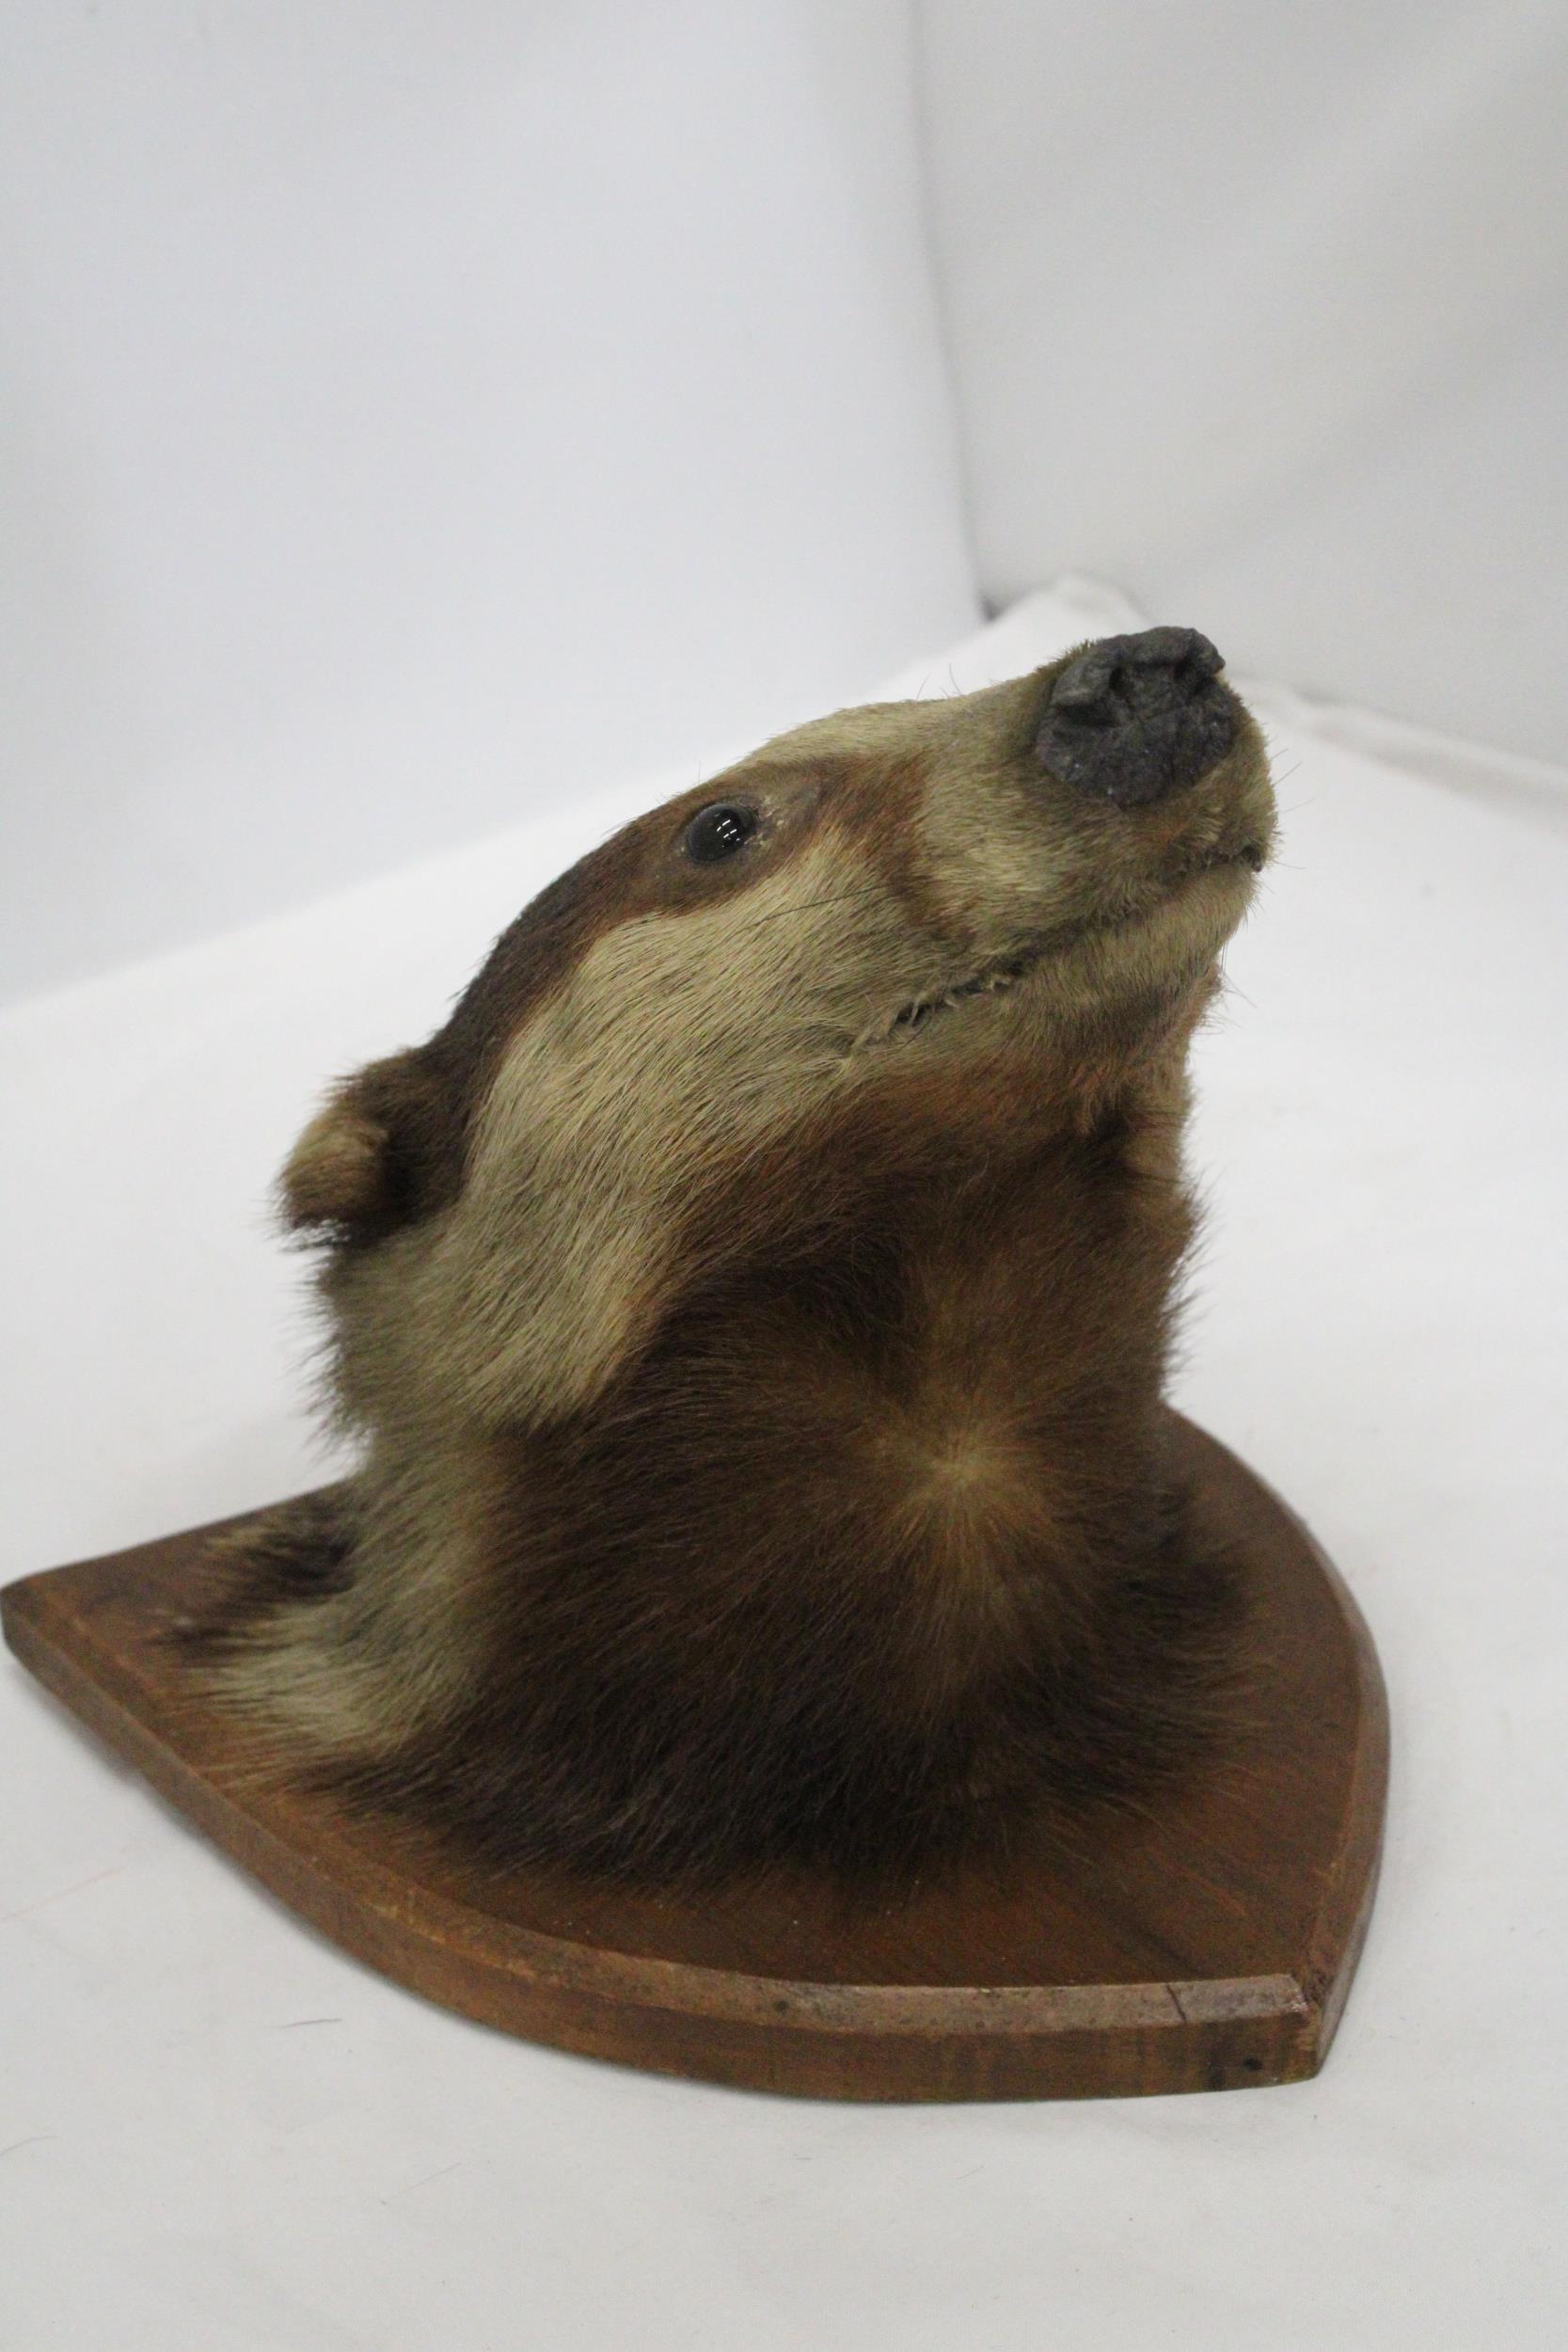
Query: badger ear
{"x": 375, "y": 1155}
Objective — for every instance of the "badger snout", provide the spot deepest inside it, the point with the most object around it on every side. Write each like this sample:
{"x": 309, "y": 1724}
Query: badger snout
{"x": 1133, "y": 719}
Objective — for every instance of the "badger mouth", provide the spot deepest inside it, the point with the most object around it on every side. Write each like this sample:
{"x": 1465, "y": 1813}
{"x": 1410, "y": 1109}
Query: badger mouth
{"x": 992, "y": 980}
{"x": 1002, "y": 973}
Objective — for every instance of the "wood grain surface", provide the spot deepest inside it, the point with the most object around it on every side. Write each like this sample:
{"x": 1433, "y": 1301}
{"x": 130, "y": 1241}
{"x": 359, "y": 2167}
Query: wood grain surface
{"x": 1208, "y": 1946}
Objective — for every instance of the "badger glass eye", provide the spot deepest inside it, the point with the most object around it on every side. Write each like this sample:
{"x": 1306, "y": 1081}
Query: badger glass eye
{"x": 719, "y": 832}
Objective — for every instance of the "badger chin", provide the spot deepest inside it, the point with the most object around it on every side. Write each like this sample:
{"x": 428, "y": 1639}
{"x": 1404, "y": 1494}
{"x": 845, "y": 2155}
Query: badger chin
{"x": 1172, "y": 939}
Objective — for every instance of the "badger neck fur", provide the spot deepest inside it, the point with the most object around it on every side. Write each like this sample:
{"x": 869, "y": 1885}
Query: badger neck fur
{"x": 752, "y": 1307}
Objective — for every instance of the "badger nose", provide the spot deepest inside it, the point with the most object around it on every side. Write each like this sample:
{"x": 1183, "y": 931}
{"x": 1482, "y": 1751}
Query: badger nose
{"x": 1132, "y": 719}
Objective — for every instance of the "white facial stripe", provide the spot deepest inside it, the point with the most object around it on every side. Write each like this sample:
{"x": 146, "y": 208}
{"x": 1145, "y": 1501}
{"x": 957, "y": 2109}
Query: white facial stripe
{"x": 678, "y": 1041}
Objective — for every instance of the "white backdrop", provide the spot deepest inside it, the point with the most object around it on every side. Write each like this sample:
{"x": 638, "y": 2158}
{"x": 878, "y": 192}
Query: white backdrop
{"x": 413, "y": 418}
{"x": 417, "y": 416}
{"x": 1263, "y": 313}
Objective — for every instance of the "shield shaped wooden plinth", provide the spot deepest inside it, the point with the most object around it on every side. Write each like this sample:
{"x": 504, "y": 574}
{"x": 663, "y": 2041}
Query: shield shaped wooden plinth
{"x": 1208, "y": 1946}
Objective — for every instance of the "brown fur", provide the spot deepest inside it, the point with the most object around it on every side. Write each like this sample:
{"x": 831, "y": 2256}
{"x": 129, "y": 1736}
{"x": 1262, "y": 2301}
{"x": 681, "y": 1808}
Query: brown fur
{"x": 754, "y": 1303}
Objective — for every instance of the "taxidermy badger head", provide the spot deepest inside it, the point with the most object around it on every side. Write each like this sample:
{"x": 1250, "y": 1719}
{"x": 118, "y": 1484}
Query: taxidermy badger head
{"x": 753, "y": 1306}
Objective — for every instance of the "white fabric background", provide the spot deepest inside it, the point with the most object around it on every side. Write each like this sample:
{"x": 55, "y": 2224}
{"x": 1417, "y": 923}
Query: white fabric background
{"x": 1383, "y": 1134}
{"x": 1264, "y": 313}
{"x": 409, "y": 421}
{"x": 415, "y": 417}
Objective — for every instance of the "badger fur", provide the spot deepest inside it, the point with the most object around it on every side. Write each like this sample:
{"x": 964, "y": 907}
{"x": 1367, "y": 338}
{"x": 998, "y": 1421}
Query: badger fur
{"x": 753, "y": 1306}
